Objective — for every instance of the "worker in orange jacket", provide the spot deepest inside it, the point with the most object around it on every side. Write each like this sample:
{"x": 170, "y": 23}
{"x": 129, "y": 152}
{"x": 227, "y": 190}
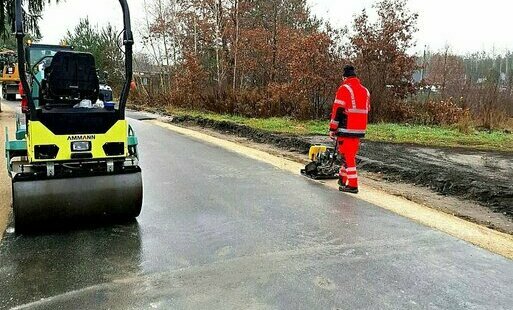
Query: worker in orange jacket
{"x": 349, "y": 124}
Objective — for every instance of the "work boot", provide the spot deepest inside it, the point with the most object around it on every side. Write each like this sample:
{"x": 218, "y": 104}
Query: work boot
{"x": 341, "y": 182}
{"x": 348, "y": 189}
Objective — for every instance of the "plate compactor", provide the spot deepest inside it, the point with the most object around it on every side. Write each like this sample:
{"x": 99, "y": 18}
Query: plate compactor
{"x": 325, "y": 162}
{"x": 75, "y": 155}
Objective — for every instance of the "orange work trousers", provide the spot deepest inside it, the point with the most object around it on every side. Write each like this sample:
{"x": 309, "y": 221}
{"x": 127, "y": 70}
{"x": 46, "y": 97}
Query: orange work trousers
{"x": 348, "y": 148}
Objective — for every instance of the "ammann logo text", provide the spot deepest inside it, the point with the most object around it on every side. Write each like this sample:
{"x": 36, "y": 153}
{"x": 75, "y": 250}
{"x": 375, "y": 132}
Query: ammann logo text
{"x": 79, "y": 138}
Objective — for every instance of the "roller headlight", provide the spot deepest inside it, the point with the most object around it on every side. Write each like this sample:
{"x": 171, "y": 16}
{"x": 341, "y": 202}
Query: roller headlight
{"x": 81, "y": 146}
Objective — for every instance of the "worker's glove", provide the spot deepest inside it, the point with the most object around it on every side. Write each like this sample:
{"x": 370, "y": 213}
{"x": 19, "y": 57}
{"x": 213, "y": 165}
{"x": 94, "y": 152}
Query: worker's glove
{"x": 333, "y": 135}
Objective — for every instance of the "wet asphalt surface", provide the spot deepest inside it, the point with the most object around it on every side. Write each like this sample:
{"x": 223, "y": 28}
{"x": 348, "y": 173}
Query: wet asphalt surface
{"x": 221, "y": 231}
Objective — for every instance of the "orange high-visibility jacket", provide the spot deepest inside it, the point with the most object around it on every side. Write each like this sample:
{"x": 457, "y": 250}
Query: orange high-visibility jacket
{"x": 350, "y": 110}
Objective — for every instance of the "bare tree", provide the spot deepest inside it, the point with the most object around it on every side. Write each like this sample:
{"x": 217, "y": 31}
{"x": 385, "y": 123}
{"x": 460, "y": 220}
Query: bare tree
{"x": 381, "y": 52}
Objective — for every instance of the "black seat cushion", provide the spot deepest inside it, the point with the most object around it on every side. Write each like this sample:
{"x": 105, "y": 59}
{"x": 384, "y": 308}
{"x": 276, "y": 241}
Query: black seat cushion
{"x": 72, "y": 75}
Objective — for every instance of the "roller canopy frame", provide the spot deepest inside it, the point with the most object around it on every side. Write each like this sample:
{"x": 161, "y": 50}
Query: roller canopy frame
{"x": 72, "y": 189}
{"x": 128, "y": 42}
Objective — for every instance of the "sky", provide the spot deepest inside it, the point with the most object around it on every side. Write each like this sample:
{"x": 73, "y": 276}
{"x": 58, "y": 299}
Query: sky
{"x": 464, "y": 25}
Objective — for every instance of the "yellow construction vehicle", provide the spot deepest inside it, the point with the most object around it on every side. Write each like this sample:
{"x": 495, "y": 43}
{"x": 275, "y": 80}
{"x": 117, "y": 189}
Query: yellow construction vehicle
{"x": 10, "y": 77}
{"x": 75, "y": 155}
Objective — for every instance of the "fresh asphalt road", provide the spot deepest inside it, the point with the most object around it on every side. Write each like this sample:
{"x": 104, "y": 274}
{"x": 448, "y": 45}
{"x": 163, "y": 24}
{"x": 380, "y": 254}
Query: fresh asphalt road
{"x": 221, "y": 231}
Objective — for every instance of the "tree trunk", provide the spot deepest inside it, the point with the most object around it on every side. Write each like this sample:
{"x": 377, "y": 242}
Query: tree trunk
{"x": 274, "y": 41}
{"x": 444, "y": 77}
{"x": 217, "y": 43}
{"x": 236, "y": 47}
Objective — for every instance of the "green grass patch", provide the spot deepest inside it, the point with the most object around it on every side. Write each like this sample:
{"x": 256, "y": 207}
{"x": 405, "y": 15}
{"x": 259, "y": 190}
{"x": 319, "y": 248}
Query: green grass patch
{"x": 385, "y": 132}
{"x": 440, "y": 136}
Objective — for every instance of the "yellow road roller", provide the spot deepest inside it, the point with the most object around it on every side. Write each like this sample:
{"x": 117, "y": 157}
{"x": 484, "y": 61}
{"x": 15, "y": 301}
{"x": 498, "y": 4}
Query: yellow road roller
{"x": 75, "y": 155}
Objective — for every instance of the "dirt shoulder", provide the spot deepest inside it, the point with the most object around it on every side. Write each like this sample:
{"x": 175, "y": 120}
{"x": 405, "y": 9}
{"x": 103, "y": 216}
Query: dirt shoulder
{"x": 472, "y": 185}
{"x": 483, "y": 177}
{"x": 7, "y": 119}
{"x": 479, "y": 176}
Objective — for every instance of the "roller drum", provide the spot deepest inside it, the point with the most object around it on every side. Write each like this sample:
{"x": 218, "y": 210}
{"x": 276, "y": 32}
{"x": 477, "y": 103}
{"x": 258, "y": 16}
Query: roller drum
{"x": 40, "y": 203}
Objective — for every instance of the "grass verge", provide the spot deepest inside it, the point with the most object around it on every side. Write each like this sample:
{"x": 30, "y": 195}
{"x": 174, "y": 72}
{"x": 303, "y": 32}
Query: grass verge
{"x": 434, "y": 136}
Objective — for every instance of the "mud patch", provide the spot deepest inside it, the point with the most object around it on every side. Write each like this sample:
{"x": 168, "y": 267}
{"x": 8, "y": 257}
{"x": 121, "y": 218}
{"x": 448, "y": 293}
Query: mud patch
{"x": 464, "y": 174}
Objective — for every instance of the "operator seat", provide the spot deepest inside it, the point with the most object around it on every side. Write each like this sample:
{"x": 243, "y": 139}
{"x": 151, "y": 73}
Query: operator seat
{"x": 71, "y": 77}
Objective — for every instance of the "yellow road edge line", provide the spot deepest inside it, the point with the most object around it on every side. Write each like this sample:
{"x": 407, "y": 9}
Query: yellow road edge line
{"x": 486, "y": 238}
